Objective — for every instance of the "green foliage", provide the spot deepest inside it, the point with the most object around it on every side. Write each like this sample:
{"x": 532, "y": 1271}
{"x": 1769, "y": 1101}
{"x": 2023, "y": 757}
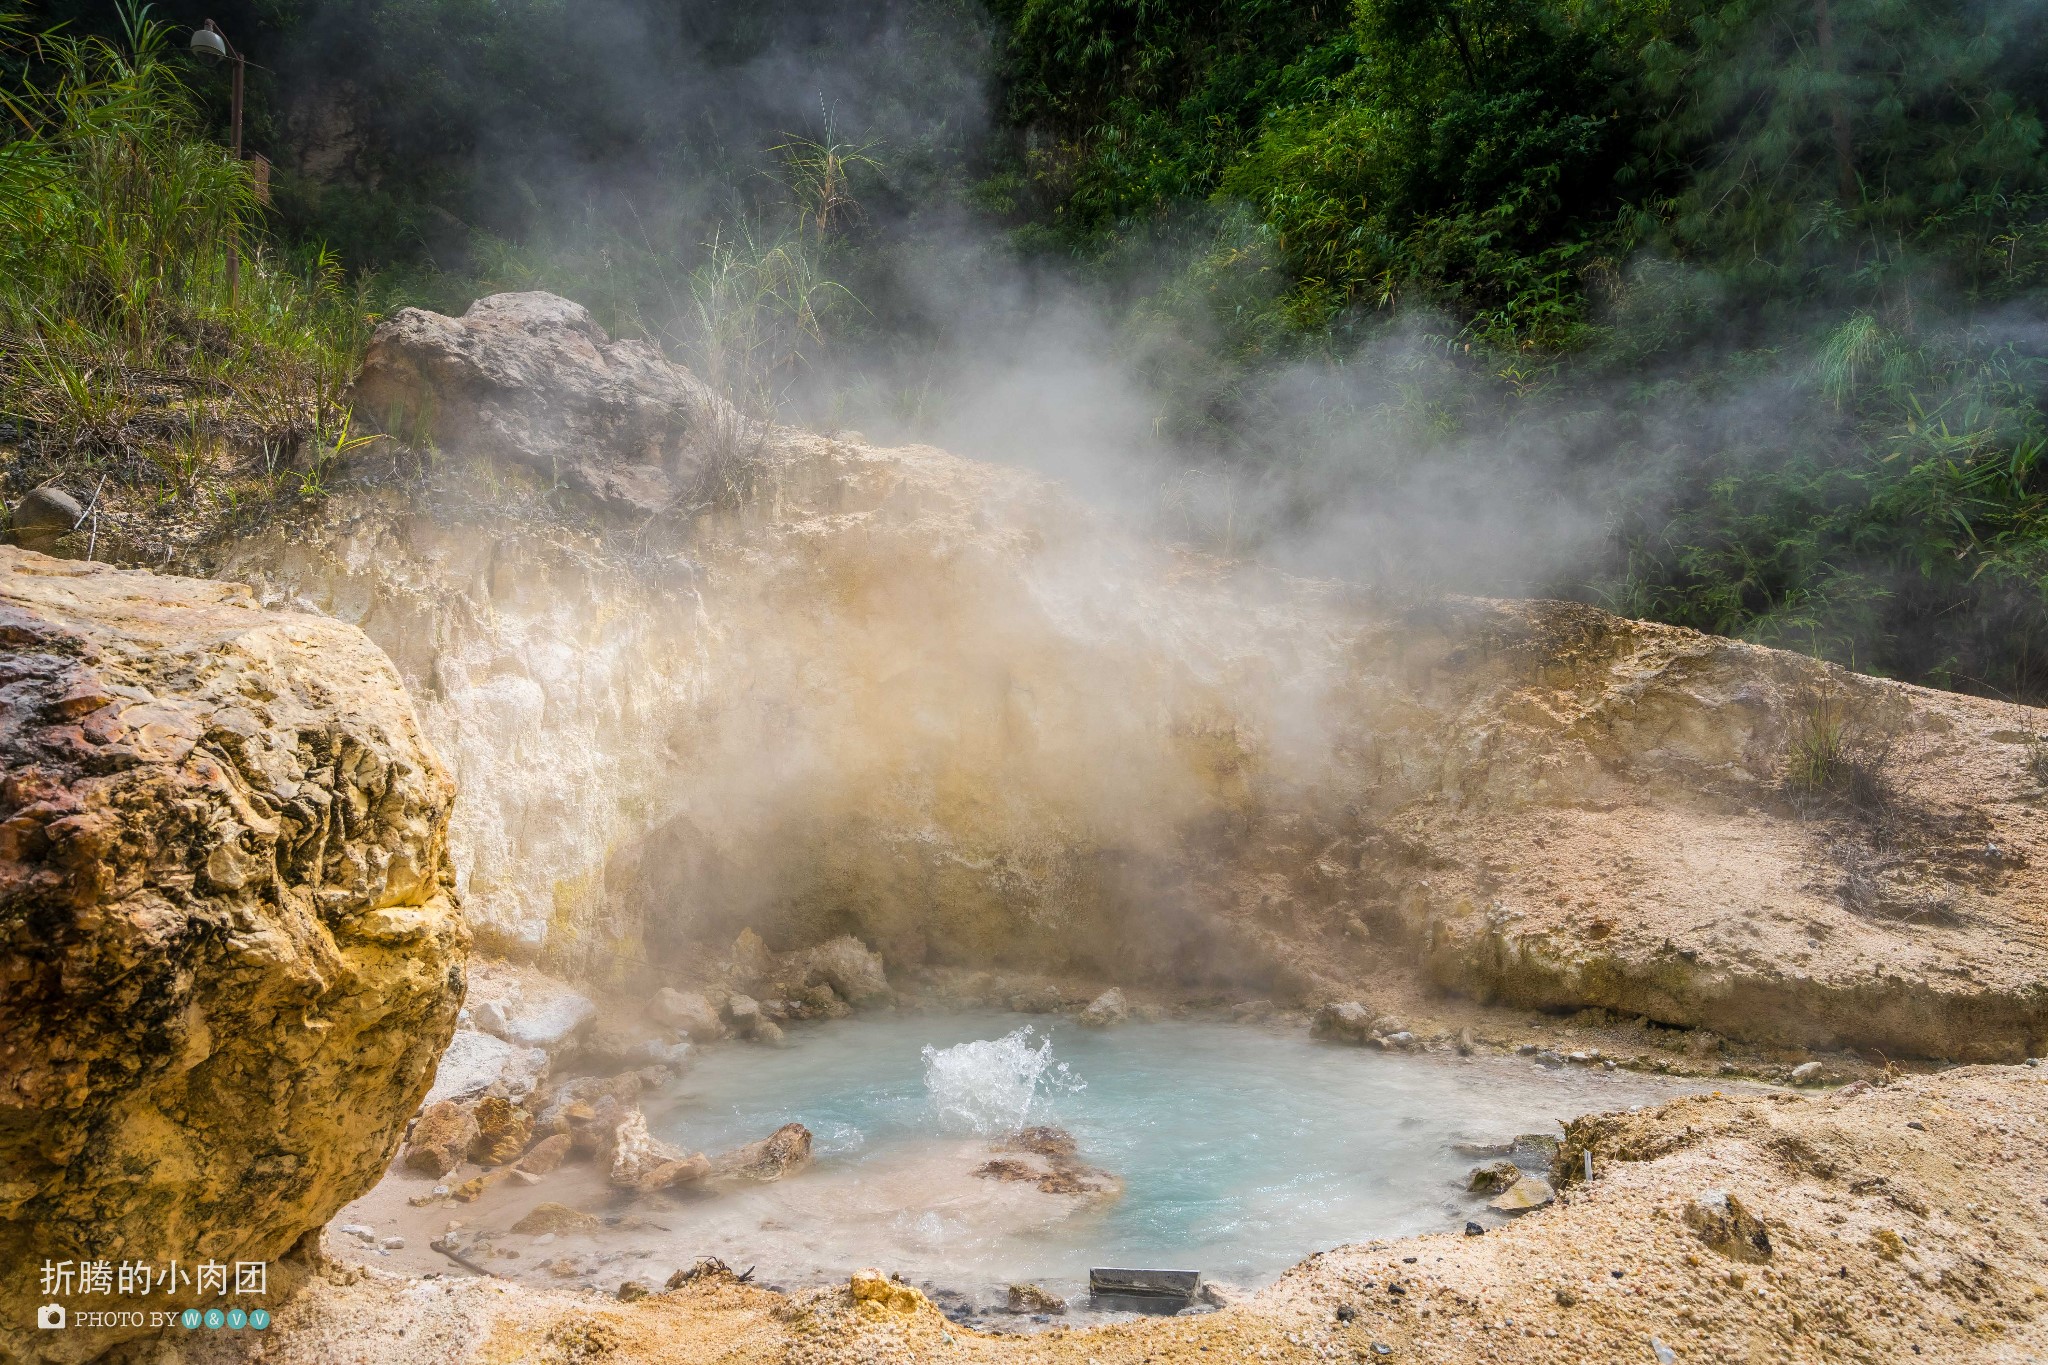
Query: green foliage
{"x": 145, "y": 329}
{"x": 1830, "y": 145}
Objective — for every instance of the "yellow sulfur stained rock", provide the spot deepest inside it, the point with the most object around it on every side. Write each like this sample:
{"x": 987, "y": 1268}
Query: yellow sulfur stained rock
{"x": 227, "y": 928}
{"x": 877, "y": 1293}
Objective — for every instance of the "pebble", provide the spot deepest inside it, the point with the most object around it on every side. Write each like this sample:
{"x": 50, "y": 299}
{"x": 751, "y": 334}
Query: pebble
{"x": 1474, "y": 1230}
{"x": 393, "y": 1244}
{"x": 1548, "y": 1057}
{"x": 358, "y": 1230}
{"x": 1806, "y": 1073}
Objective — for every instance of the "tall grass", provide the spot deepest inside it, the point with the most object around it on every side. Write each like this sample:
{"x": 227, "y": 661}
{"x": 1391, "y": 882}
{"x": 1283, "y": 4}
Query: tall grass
{"x": 125, "y": 347}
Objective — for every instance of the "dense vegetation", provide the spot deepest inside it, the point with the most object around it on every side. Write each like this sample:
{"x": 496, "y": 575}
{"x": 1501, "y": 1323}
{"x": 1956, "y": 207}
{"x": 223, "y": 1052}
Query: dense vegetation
{"x": 1727, "y": 313}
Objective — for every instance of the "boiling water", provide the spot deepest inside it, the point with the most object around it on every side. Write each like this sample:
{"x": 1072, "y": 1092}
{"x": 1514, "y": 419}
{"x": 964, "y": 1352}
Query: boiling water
{"x": 1241, "y": 1150}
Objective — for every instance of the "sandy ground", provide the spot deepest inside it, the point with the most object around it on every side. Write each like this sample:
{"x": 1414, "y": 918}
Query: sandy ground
{"x": 1902, "y": 1221}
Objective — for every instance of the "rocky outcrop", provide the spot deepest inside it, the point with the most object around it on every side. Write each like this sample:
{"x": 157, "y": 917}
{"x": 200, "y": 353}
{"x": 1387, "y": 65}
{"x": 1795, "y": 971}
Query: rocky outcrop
{"x": 531, "y": 381}
{"x": 1106, "y": 1009}
{"x": 946, "y": 709}
{"x": 230, "y": 950}
{"x": 783, "y": 1152}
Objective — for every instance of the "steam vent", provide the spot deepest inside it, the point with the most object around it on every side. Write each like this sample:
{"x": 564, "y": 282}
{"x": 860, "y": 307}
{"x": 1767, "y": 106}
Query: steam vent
{"x": 900, "y": 888}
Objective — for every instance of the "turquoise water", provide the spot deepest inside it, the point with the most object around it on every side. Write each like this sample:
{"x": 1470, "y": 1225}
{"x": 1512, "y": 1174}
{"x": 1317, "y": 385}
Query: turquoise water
{"x": 1241, "y": 1149}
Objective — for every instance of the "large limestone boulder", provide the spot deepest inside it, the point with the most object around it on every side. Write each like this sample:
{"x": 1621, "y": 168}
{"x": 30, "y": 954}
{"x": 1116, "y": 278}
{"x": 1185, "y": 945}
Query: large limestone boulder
{"x": 229, "y": 947}
{"x": 530, "y": 379}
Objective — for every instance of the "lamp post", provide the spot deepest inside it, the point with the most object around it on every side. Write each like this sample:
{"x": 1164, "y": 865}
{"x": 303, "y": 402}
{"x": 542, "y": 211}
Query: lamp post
{"x": 210, "y": 44}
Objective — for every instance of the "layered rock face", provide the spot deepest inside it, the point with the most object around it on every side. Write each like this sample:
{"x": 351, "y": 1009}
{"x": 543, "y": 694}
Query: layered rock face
{"x": 943, "y": 707}
{"x": 230, "y": 949}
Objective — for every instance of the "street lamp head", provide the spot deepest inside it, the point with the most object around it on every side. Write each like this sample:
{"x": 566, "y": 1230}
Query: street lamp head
{"x": 208, "y": 44}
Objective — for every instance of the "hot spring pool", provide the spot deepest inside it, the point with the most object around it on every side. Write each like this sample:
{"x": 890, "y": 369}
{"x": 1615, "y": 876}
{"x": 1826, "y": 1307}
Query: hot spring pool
{"x": 1241, "y": 1150}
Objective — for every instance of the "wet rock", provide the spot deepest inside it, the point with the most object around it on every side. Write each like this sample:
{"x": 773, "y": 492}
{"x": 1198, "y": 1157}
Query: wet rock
{"x": 589, "y": 1092}
{"x": 783, "y": 1152}
{"x": 767, "y": 1031}
{"x": 531, "y": 381}
{"x": 1037, "y": 1000}
{"x": 1043, "y": 1141}
{"x": 852, "y": 969}
{"x": 743, "y": 1012}
{"x": 1551, "y": 1058}
{"x": 1807, "y": 1073}
{"x": 1474, "y": 1229}
{"x": 1729, "y": 1227}
{"x": 688, "y": 1013}
{"x": 228, "y": 937}
{"x": 824, "y": 1002}
{"x": 551, "y": 1217}
{"x": 643, "y": 1162}
{"x": 1106, "y": 1009}
{"x": 547, "y": 1154}
{"x": 502, "y": 1132}
{"x": 1493, "y": 1179}
{"x": 1347, "y": 1022}
{"x": 441, "y": 1138}
{"x": 1031, "y": 1298}
{"x": 631, "y": 1290}
{"x": 1530, "y": 1192}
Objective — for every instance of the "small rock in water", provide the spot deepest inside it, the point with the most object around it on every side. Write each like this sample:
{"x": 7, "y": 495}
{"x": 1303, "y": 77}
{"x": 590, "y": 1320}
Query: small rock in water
{"x": 1347, "y": 1022}
{"x": 1030, "y": 1298}
{"x": 1807, "y": 1073}
{"x": 1106, "y": 1009}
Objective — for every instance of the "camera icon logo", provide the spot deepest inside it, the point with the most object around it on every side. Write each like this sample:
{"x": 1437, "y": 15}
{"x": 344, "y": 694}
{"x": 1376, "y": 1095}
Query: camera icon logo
{"x": 50, "y": 1315}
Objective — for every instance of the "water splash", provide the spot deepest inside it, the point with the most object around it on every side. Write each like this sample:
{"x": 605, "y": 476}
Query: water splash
{"x": 990, "y": 1085}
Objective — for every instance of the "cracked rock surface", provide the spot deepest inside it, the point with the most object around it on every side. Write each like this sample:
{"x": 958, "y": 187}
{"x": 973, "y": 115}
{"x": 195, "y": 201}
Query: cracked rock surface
{"x": 228, "y": 940}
